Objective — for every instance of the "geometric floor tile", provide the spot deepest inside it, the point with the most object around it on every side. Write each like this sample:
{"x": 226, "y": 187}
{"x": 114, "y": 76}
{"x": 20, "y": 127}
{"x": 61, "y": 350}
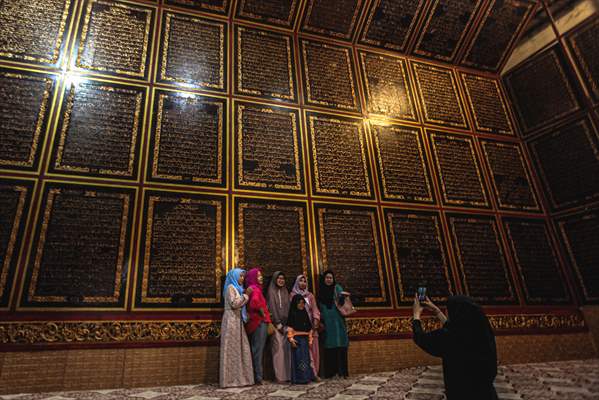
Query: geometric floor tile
{"x": 566, "y": 380}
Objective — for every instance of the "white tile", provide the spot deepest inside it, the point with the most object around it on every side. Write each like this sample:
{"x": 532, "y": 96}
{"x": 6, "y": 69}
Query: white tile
{"x": 348, "y": 397}
{"x": 359, "y": 386}
{"x": 59, "y": 398}
{"x": 287, "y": 393}
{"x": 509, "y": 396}
{"x": 147, "y": 395}
{"x": 236, "y": 390}
{"x": 429, "y": 381}
{"x": 427, "y": 390}
{"x": 570, "y": 389}
{"x": 382, "y": 379}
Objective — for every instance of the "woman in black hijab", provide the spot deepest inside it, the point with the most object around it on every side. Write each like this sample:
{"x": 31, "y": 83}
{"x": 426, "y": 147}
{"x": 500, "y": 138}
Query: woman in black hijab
{"x": 466, "y": 343}
{"x": 335, "y": 340}
{"x": 299, "y": 333}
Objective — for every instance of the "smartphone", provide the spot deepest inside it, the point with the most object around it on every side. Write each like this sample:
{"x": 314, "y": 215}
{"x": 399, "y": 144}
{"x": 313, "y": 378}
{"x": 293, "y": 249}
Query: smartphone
{"x": 421, "y": 294}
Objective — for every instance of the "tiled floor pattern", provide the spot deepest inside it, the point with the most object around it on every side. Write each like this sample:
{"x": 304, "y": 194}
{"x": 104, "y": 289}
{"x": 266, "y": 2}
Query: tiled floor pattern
{"x": 570, "y": 380}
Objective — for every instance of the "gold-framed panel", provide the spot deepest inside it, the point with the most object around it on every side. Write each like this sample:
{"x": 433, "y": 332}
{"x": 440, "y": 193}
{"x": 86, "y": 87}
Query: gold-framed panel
{"x": 479, "y": 87}
{"x": 69, "y": 109}
{"x": 328, "y": 86}
{"x": 319, "y": 209}
{"x": 429, "y": 29}
{"x": 29, "y": 27}
{"x": 495, "y": 32}
{"x": 207, "y": 41}
{"x": 355, "y": 127}
{"x": 479, "y": 257}
{"x": 219, "y": 7}
{"x": 245, "y": 179}
{"x": 394, "y": 100}
{"x": 474, "y": 164}
{"x": 585, "y": 136}
{"x": 196, "y": 106}
{"x": 262, "y": 11}
{"x": 587, "y": 222}
{"x": 51, "y": 190}
{"x": 96, "y": 45}
{"x": 425, "y": 259}
{"x": 170, "y": 204}
{"x": 430, "y": 96}
{"x": 587, "y": 63}
{"x": 269, "y": 69}
{"x": 543, "y": 246}
{"x": 386, "y": 163}
{"x": 29, "y": 117}
{"x": 560, "y": 92}
{"x": 330, "y": 11}
{"x": 371, "y": 21}
{"x": 278, "y": 238}
{"x": 520, "y": 176}
{"x": 17, "y": 193}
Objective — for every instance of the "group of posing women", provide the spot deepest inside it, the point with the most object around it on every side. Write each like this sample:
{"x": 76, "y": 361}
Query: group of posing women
{"x": 289, "y": 322}
{"x": 465, "y": 342}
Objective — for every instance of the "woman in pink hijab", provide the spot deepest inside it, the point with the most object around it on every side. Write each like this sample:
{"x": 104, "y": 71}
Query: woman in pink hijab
{"x": 301, "y": 287}
{"x": 258, "y": 320}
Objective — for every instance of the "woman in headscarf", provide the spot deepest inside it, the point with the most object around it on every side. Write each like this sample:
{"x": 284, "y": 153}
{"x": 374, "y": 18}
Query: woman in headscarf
{"x": 235, "y": 355}
{"x": 258, "y": 320}
{"x": 466, "y": 343}
{"x": 301, "y": 287}
{"x": 336, "y": 340}
{"x": 299, "y": 334}
{"x": 278, "y": 305}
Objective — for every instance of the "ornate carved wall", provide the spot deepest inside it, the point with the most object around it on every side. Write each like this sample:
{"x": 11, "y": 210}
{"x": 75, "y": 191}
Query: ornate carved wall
{"x": 148, "y": 146}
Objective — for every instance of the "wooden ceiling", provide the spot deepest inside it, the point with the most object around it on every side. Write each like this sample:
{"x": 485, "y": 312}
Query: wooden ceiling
{"x": 478, "y": 34}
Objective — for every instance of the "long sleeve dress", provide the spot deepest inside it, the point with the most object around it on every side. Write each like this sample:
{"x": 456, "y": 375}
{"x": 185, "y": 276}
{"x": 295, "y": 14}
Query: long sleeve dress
{"x": 469, "y": 367}
{"x": 314, "y": 314}
{"x": 235, "y": 354}
{"x": 336, "y": 339}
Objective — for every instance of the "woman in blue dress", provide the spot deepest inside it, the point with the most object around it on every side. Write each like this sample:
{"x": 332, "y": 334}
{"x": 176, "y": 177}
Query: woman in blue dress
{"x": 299, "y": 333}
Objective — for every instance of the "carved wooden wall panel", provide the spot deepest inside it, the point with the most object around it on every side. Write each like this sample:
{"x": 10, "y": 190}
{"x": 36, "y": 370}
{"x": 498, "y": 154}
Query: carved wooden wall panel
{"x": 147, "y": 147}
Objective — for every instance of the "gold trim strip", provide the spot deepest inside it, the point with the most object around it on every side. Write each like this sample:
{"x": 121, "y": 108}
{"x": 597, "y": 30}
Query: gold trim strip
{"x": 113, "y": 332}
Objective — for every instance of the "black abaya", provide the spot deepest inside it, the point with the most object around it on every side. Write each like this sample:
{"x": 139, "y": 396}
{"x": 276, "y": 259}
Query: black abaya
{"x": 467, "y": 345}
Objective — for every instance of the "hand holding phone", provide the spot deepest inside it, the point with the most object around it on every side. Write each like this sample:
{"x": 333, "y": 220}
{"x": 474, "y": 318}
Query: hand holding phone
{"x": 421, "y": 293}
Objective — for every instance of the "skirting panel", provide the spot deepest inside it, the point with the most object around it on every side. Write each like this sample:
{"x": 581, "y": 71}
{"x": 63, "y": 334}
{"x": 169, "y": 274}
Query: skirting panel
{"x": 26, "y": 372}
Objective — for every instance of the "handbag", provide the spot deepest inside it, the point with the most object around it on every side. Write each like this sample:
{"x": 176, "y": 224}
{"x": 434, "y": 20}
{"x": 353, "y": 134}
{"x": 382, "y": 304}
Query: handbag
{"x": 347, "y": 308}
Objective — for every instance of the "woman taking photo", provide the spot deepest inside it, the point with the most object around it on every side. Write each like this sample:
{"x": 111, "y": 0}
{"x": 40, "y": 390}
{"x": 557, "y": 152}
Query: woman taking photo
{"x": 258, "y": 322}
{"x": 336, "y": 339}
{"x": 466, "y": 343}
{"x": 235, "y": 355}
{"x": 301, "y": 287}
{"x": 278, "y": 305}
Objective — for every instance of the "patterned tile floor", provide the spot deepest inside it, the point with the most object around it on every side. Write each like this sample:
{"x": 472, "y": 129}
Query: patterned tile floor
{"x": 569, "y": 380}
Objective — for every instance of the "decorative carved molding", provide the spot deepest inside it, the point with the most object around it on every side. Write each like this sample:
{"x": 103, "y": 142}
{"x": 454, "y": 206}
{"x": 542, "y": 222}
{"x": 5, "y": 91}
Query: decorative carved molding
{"x": 115, "y": 332}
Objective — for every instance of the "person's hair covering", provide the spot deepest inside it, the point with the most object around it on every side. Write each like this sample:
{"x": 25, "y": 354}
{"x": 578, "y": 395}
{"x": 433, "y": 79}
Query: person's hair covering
{"x": 326, "y": 293}
{"x": 296, "y": 289}
{"x": 251, "y": 279}
{"x": 233, "y": 279}
{"x": 472, "y": 334}
{"x": 298, "y": 319}
{"x": 278, "y": 300}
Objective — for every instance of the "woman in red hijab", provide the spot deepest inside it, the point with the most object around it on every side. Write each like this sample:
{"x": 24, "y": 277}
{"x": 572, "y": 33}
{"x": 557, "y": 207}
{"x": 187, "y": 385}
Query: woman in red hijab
{"x": 258, "y": 322}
